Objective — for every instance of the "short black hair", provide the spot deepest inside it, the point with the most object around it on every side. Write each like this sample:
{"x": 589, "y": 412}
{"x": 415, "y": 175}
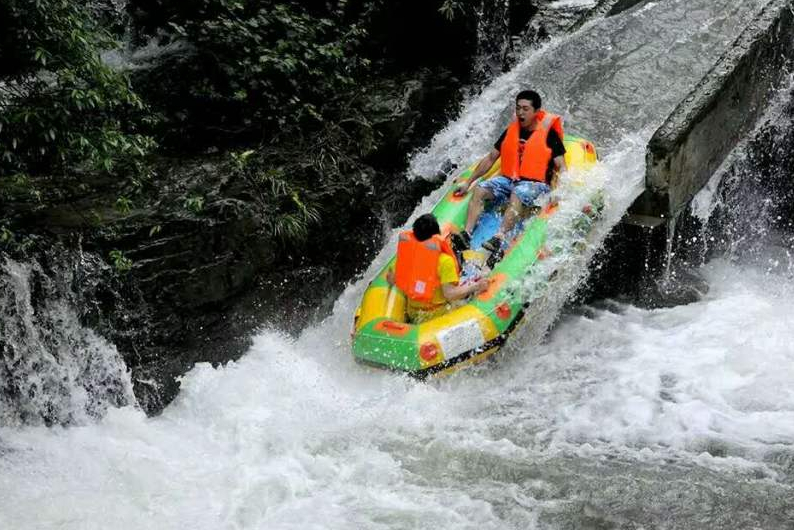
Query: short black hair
{"x": 531, "y": 96}
{"x": 426, "y": 227}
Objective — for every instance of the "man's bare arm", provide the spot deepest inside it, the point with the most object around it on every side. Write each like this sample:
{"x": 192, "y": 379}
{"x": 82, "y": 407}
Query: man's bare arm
{"x": 559, "y": 163}
{"x": 456, "y": 292}
{"x": 481, "y": 169}
{"x": 559, "y": 166}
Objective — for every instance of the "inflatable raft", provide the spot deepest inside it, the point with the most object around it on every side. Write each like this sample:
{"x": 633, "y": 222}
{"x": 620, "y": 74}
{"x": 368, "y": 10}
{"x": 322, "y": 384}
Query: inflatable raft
{"x": 475, "y": 330}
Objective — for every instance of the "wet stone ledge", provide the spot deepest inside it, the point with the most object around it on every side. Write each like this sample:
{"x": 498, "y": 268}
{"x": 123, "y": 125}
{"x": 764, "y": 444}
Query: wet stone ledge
{"x": 725, "y": 105}
{"x": 553, "y": 20}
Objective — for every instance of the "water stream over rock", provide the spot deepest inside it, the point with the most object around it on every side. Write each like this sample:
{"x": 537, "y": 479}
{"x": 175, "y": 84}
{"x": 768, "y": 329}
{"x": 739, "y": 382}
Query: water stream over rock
{"x": 53, "y": 369}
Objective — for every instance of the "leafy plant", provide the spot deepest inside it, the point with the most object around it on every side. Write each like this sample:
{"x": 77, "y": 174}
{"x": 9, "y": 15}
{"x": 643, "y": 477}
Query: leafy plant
{"x": 6, "y": 235}
{"x": 123, "y": 205}
{"x": 61, "y": 106}
{"x": 292, "y": 212}
{"x": 194, "y": 203}
{"x": 283, "y": 64}
{"x": 18, "y": 186}
{"x": 240, "y": 160}
{"x": 294, "y": 215}
{"x": 120, "y": 262}
{"x": 449, "y": 7}
{"x": 14, "y": 242}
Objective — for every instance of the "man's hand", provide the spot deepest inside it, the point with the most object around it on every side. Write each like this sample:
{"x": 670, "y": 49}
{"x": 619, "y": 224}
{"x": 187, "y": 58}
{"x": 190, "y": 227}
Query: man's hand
{"x": 480, "y": 285}
{"x": 560, "y": 165}
{"x": 462, "y": 188}
{"x": 482, "y": 168}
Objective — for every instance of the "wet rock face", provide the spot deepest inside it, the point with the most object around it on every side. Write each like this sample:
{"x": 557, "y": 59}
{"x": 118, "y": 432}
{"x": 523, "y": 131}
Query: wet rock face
{"x": 623, "y": 5}
{"x": 754, "y": 203}
{"x": 752, "y": 221}
{"x": 678, "y": 286}
{"x": 185, "y": 266}
{"x": 724, "y": 106}
{"x": 553, "y": 19}
{"x": 202, "y": 279}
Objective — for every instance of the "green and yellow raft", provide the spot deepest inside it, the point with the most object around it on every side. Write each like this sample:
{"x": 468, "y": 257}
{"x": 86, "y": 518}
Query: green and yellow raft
{"x": 468, "y": 334}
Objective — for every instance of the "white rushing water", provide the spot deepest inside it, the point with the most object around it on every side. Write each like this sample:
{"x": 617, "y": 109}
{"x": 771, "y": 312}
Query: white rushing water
{"x": 52, "y": 368}
{"x": 619, "y": 406}
{"x": 622, "y": 418}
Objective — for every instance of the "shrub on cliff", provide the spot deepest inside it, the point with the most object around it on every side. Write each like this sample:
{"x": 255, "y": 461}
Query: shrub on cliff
{"x": 274, "y": 69}
{"x": 258, "y": 68}
{"x": 61, "y": 106}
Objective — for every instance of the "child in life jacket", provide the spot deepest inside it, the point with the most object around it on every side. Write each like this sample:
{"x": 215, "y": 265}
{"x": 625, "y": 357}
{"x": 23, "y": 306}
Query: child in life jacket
{"x": 428, "y": 272}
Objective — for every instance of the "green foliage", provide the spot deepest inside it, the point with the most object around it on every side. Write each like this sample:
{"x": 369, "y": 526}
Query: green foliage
{"x": 291, "y": 209}
{"x": 284, "y": 64}
{"x": 13, "y": 242}
{"x": 291, "y": 77}
{"x": 123, "y": 205}
{"x": 120, "y": 262}
{"x": 18, "y": 187}
{"x": 61, "y": 106}
{"x": 6, "y": 235}
{"x": 240, "y": 160}
{"x": 449, "y": 8}
{"x": 194, "y": 203}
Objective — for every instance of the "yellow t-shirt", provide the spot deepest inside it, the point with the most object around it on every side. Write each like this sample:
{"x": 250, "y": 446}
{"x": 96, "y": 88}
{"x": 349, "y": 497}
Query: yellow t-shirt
{"x": 447, "y": 273}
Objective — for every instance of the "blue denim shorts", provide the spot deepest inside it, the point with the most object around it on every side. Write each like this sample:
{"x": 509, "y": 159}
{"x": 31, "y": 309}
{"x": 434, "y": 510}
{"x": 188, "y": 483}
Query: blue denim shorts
{"x": 527, "y": 191}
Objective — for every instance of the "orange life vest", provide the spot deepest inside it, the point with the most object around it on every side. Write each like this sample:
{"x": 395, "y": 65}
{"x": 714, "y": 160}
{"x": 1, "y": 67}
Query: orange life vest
{"x": 534, "y": 162}
{"x": 416, "y": 271}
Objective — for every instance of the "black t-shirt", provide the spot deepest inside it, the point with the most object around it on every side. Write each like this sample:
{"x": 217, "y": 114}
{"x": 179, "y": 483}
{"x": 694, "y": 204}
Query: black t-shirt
{"x": 553, "y": 141}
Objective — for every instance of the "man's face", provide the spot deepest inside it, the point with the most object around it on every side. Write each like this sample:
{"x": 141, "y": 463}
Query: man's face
{"x": 524, "y": 112}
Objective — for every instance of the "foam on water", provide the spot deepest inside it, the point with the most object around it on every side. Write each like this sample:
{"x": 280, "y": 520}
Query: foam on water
{"x": 295, "y": 435}
{"x": 565, "y": 4}
{"x": 711, "y": 372}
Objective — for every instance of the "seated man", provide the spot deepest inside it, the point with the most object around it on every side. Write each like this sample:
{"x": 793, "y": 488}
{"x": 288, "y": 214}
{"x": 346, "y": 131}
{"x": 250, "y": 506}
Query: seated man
{"x": 532, "y": 152}
{"x": 428, "y": 272}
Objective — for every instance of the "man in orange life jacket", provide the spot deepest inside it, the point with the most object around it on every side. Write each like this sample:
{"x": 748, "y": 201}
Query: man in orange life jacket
{"x": 532, "y": 153}
{"x": 428, "y": 272}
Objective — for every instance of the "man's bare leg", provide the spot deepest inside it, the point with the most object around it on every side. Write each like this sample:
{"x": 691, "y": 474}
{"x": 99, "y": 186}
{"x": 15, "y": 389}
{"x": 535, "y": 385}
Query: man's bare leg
{"x": 514, "y": 211}
{"x": 476, "y": 206}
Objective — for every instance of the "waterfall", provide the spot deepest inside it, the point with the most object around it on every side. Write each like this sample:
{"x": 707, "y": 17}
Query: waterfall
{"x": 53, "y": 370}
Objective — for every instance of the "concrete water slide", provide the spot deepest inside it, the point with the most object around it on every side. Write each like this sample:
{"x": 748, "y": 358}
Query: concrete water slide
{"x": 722, "y": 109}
